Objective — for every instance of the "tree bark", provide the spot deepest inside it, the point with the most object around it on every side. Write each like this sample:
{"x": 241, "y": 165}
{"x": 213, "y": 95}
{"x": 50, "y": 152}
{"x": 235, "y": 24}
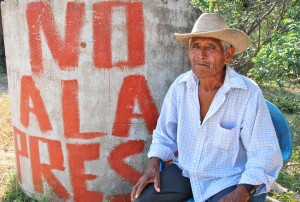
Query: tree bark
{"x": 253, "y": 26}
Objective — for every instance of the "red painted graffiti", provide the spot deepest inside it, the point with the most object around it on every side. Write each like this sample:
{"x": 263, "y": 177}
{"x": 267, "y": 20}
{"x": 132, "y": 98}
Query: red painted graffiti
{"x": 71, "y": 112}
{"x": 30, "y": 92}
{"x": 117, "y": 156}
{"x": 78, "y": 155}
{"x": 43, "y": 170}
{"x": 65, "y": 51}
{"x": 134, "y": 88}
{"x": 50, "y": 158}
{"x": 21, "y": 149}
{"x": 102, "y": 34}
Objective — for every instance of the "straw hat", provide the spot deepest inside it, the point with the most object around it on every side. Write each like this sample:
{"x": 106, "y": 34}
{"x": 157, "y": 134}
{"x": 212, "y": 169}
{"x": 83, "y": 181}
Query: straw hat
{"x": 214, "y": 26}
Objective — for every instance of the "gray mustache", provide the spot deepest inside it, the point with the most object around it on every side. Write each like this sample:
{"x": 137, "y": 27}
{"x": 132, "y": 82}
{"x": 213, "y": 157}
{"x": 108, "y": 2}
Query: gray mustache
{"x": 202, "y": 63}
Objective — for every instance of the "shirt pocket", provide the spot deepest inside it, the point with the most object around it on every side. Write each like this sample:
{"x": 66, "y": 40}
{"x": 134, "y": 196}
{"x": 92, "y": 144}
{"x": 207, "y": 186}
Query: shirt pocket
{"x": 226, "y": 139}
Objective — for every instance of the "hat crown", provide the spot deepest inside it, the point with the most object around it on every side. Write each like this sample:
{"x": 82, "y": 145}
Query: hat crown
{"x": 214, "y": 26}
{"x": 209, "y": 22}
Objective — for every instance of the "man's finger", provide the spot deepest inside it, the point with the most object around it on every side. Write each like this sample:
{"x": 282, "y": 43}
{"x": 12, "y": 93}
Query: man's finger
{"x": 132, "y": 195}
{"x": 140, "y": 188}
{"x": 157, "y": 183}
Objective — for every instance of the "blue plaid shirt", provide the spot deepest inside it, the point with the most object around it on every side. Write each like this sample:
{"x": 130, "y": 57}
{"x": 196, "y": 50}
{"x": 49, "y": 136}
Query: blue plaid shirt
{"x": 236, "y": 142}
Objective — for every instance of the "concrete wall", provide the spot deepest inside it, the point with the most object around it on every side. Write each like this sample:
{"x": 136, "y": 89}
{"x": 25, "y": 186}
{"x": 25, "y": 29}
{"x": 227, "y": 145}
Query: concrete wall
{"x": 86, "y": 84}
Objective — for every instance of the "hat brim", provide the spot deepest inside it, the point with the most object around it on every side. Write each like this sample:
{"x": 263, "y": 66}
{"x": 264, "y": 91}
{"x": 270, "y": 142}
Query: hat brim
{"x": 238, "y": 39}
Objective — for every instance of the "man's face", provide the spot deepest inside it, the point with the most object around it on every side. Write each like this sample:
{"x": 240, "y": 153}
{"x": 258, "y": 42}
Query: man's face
{"x": 207, "y": 57}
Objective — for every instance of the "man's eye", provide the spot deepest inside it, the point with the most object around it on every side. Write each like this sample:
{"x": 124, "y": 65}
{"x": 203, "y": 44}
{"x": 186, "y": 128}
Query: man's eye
{"x": 212, "y": 47}
{"x": 196, "y": 47}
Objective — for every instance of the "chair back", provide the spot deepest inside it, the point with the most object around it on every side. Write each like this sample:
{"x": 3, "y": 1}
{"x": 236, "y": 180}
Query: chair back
{"x": 282, "y": 131}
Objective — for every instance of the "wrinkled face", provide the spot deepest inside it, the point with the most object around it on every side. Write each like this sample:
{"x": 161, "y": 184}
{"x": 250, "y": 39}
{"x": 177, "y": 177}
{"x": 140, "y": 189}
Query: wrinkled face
{"x": 207, "y": 57}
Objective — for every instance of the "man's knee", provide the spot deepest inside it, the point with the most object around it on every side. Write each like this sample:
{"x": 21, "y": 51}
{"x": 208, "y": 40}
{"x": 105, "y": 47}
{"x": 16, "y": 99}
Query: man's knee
{"x": 174, "y": 187}
{"x": 138, "y": 199}
{"x": 147, "y": 194}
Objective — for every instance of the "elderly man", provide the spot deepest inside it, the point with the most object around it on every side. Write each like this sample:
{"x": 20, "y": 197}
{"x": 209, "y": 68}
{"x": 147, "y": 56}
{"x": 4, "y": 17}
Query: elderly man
{"x": 218, "y": 122}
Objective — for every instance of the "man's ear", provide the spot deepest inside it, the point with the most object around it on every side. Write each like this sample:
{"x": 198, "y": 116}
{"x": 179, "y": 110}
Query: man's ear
{"x": 229, "y": 55}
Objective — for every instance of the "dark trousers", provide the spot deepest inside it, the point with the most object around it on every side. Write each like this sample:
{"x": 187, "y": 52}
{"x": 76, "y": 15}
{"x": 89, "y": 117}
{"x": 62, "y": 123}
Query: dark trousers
{"x": 173, "y": 187}
{"x": 176, "y": 188}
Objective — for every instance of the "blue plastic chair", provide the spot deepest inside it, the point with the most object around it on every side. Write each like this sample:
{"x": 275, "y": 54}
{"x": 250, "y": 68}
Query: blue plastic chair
{"x": 284, "y": 138}
{"x": 282, "y": 131}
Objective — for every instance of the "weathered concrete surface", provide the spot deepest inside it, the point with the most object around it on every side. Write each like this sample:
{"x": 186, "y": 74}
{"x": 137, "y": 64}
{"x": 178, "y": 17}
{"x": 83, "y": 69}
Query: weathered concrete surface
{"x": 86, "y": 83}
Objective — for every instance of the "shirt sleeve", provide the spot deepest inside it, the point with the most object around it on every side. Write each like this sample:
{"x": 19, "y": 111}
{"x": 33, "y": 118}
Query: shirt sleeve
{"x": 264, "y": 159}
{"x": 164, "y": 143}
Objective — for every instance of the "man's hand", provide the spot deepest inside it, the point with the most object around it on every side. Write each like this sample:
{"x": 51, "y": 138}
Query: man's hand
{"x": 151, "y": 176}
{"x": 240, "y": 194}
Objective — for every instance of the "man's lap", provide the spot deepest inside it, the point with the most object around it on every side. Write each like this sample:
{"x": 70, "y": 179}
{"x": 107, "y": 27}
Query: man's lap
{"x": 175, "y": 188}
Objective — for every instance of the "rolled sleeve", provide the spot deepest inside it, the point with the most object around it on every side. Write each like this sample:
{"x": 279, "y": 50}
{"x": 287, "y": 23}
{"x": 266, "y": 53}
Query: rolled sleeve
{"x": 162, "y": 152}
{"x": 264, "y": 159}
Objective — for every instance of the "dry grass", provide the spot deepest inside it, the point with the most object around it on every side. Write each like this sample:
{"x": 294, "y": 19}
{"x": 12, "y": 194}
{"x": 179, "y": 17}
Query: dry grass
{"x": 7, "y": 157}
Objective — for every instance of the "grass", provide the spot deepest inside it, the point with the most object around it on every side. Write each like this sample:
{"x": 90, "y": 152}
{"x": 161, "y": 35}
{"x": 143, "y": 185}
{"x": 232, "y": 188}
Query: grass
{"x": 7, "y": 158}
{"x": 13, "y": 191}
{"x": 287, "y": 197}
{"x": 289, "y": 177}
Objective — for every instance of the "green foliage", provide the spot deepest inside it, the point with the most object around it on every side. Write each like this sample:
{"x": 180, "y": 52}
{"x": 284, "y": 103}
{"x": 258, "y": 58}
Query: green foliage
{"x": 14, "y": 192}
{"x": 273, "y": 27}
{"x": 287, "y": 100}
{"x": 287, "y": 103}
{"x": 296, "y": 158}
{"x": 290, "y": 179}
{"x": 294, "y": 123}
{"x": 238, "y": 14}
{"x": 279, "y": 60}
{"x": 286, "y": 197}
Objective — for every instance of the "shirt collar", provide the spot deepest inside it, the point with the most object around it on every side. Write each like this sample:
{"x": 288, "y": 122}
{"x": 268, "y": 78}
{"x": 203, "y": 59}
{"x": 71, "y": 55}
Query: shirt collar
{"x": 232, "y": 79}
{"x": 190, "y": 79}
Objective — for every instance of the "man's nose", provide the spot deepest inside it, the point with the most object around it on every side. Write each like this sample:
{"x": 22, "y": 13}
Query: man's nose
{"x": 201, "y": 53}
